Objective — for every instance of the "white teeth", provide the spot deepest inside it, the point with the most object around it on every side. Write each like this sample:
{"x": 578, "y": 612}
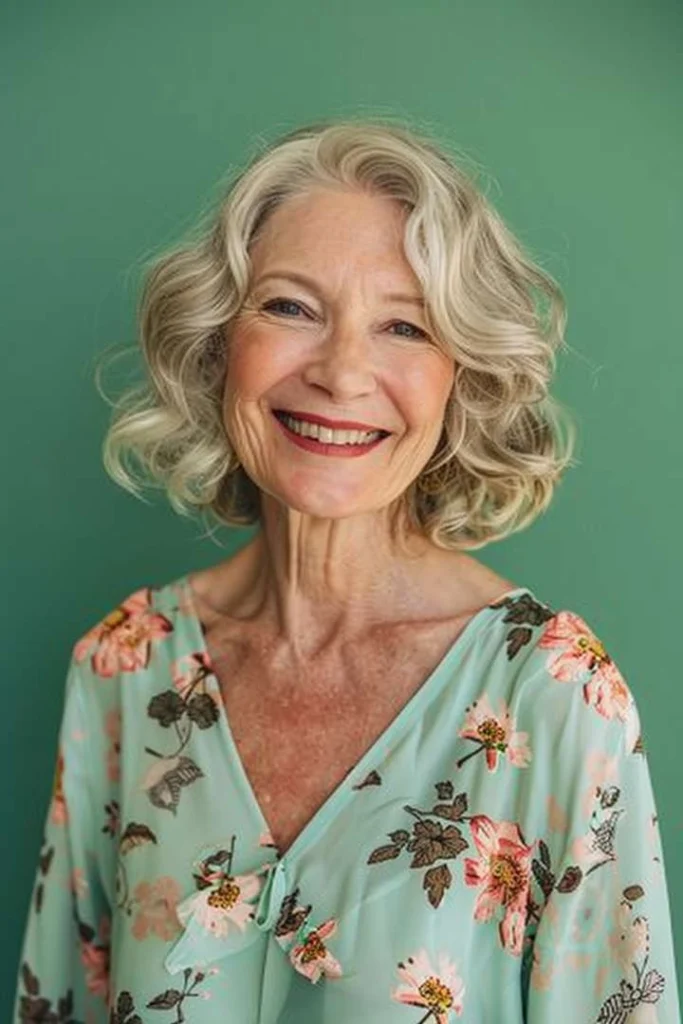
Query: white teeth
{"x": 328, "y": 436}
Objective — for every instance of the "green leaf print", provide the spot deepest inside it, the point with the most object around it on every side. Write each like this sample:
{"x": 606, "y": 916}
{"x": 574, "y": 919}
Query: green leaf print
{"x": 194, "y": 706}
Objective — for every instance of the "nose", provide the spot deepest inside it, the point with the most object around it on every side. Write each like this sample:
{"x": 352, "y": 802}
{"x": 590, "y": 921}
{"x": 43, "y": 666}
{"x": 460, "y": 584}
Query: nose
{"x": 343, "y": 363}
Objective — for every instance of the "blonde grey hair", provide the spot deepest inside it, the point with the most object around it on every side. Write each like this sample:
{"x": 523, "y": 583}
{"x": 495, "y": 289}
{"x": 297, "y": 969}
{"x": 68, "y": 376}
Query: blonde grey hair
{"x": 505, "y": 441}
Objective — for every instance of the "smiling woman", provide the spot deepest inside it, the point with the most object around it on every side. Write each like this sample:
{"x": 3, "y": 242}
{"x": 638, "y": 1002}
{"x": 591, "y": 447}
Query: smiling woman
{"x": 459, "y": 285}
{"x": 350, "y": 774}
{"x": 330, "y": 350}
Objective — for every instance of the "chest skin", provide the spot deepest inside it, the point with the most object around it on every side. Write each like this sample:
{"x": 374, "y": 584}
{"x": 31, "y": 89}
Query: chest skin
{"x": 298, "y": 734}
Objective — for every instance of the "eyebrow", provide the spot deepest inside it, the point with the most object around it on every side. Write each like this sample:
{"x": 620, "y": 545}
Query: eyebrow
{"x": 308, "y": 282}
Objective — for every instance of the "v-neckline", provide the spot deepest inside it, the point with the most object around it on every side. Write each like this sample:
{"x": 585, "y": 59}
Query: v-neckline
{"x": 344, "y": 791}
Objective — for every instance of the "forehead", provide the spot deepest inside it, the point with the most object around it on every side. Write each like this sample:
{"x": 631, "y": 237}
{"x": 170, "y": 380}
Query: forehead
{"x": 332, "y": 227}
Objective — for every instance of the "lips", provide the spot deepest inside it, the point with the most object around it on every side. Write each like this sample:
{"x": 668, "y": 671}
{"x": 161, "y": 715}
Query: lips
{"x": 325, "y": 448}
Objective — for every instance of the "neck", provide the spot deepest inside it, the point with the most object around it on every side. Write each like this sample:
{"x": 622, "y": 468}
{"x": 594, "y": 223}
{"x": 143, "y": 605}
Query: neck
{"x": 311, "y": 582}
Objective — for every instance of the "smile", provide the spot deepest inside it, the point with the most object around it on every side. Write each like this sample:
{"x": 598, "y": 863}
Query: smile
{"x": 321, "y": 441}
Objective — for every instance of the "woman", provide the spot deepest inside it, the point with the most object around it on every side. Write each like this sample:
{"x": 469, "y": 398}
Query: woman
{"x": 349, "y": 774}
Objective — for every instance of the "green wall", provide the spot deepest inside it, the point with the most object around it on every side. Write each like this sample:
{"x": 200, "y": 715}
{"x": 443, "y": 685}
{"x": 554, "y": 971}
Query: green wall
{"x": 118, "y": 120}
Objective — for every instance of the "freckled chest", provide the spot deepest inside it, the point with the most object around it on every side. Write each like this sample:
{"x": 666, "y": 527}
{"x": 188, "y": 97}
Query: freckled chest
{"x": 298, "y": 738}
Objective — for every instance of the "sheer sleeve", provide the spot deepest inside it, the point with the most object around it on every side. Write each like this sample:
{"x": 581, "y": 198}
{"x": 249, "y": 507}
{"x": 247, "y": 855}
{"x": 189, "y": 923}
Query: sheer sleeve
{"x": 63, "y": 973}
{"x": 603, "y": 949}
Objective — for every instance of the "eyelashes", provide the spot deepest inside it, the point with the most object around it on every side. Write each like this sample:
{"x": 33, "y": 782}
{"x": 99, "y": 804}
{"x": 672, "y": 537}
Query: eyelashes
{"x": 269, "y": 306}
{"x": 281, "y": 302}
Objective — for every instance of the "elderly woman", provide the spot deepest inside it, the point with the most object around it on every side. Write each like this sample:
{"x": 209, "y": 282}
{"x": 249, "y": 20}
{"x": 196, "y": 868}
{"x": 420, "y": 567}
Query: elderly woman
{"x": 349, "y": 774}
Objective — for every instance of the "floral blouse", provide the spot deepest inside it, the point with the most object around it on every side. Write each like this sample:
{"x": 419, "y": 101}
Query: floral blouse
{"x": 493, "y": 857}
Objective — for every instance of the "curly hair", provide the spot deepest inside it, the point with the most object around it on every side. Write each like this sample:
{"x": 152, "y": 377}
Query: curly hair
{"x": 505, "y": 441}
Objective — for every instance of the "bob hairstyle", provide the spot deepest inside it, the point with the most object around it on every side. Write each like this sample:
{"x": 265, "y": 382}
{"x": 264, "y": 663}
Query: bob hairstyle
{"x": 497, "y": 314}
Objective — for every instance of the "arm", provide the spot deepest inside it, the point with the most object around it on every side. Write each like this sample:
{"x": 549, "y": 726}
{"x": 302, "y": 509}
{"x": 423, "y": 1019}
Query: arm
{"x": 63, "y": 969}
{"x": 604, "y": 947}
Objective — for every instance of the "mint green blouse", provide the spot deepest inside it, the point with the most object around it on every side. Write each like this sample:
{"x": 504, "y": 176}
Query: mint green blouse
{"x": 493, "y": 857}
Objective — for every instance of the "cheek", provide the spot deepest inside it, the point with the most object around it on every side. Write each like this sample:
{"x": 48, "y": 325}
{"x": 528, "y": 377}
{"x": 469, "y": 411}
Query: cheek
{"x": 257, "y": 361}
{"x": 424, "y": 388}
{"x": 254, "y": 366}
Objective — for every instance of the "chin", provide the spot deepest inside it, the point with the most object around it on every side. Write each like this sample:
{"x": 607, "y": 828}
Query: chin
{"x": 330, "y": 506}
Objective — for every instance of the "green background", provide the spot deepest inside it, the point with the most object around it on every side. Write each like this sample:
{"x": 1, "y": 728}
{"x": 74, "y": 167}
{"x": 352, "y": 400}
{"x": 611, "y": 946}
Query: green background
{"x": 119, "y": 120}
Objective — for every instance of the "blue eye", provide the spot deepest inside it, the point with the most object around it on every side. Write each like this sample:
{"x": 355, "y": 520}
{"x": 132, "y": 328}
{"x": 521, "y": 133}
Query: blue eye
{"x": 282, "y": 302}
{"x": 276, "y": 305}
{"x": 404, "y": 323}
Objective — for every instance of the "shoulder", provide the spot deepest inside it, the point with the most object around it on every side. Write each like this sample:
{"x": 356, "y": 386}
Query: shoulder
{"x": 147, "y": 643}
{"x": 125, "y": 639}
{"x": 150, "y": 642}
{"x": 564, "y": 678}
{"x": 572, "y": 715}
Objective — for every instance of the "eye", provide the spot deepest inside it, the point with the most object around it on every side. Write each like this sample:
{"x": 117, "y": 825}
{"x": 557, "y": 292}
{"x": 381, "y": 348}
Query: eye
{"x": 283, "y": 302}
{"x": 419, "y": 333}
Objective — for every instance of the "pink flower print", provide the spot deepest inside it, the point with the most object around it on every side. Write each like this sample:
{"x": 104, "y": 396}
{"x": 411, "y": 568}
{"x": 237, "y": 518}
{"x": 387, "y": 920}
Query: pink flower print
{"x": 311, "y": 957}
{"x": 495, "y": 734}
{"x": 122, "y": 640}
{"x": 630, "y": 938}
{"x": 112, "y": 728}
{"x": 439, "y": 991}
{"x": 226, "y": 903}
{"x": 504, "y": 869}
{"x": 156, "y": 914}
{"x": 95, "y": 960}
{"x": 609, "y": 694}
{"x": 59, "y": 813}
{"x": 577, "y": 648}
{"x": 557, "y": 816}
{"x": 578, "y": 651}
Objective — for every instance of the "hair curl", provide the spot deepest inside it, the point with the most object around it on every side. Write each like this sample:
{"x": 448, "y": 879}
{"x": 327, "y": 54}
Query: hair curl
{"x": 492, "y": 309}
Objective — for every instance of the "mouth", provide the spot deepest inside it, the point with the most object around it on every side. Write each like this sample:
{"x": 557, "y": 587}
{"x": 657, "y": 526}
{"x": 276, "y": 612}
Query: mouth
{"x": 282, "y": 415}
{"x": 329, "y": 448}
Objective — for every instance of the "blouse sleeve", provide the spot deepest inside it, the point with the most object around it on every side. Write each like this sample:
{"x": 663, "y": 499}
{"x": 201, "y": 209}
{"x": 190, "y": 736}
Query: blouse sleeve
{"x": 63, "y": 969}
{"x": 603, "y": 949}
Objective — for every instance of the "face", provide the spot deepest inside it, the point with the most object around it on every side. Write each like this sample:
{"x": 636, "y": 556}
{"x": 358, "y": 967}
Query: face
{"x": 333, "y": 327}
